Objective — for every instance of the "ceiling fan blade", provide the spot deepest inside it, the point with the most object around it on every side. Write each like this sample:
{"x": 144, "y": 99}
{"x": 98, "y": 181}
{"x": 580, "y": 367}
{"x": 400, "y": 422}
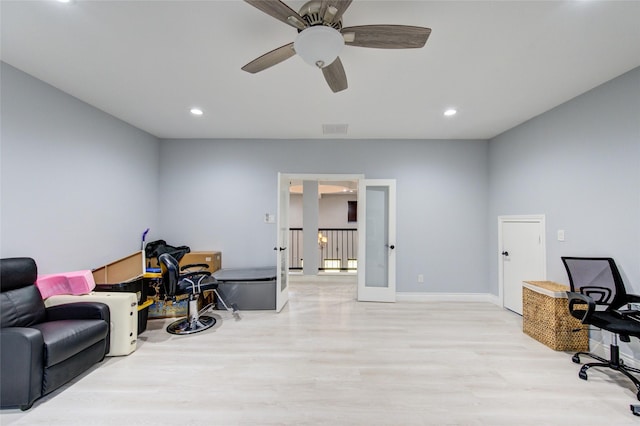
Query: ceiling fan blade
{"x": 270, "y": 59}
{"x": 335, "y": 76}
{"x": 280, "y": 11}
{"x": 386, "y": 36}
{"x": 339, "y": 5}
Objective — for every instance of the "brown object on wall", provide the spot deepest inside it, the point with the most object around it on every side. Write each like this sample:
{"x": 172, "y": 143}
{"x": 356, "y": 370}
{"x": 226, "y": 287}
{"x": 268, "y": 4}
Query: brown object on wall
{"x": 122, "y": 270}
{"x": 213, "y": 259}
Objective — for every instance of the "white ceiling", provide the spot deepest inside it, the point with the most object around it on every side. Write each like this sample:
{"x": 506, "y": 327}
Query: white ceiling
{"x": 148, "y": 62}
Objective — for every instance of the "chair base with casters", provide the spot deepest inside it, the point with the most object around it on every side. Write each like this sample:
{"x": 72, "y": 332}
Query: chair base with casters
{"x": 192, "y": 283}
{"x": 614, "y": 362}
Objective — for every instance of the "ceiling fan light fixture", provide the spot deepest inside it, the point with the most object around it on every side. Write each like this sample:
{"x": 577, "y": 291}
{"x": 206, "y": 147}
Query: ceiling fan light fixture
{"x": 319, "y": 45}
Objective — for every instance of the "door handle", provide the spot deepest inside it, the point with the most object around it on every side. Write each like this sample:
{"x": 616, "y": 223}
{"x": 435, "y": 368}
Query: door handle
{"x": 390, "y": 246}
{"x": 505, "y": 253}
{"x": 281, "y": 248}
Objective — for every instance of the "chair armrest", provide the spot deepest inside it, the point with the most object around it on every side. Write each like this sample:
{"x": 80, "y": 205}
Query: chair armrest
{"x": 633, "y": 298}
{"x": 22, "y": 355}
{"x": 575, "y": 298}
{"x": 79, "y": 310}
{"x": 195, "y": 274}
{"x": 624, "y": 313}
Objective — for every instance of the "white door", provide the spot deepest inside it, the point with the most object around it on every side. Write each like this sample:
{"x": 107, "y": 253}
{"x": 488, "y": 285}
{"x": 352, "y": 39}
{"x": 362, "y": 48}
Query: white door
{"x": 377, "y": 236}
{"x": 282, "y": 256}
{"x": 522, "y": 257}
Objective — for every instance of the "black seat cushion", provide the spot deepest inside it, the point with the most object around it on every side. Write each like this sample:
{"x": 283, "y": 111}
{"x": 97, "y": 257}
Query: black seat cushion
{"x": 65, "y": 338}
{"x": 613, "y": 322}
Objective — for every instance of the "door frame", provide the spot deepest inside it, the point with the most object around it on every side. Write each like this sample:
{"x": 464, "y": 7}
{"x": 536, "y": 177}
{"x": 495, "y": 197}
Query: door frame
{"x": 538, "y": 218}
{"x": 282, "y": 240}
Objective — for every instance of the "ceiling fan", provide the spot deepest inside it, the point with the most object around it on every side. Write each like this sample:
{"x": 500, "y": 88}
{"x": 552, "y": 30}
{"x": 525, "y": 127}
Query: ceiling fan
{"x": 321, "y": 37}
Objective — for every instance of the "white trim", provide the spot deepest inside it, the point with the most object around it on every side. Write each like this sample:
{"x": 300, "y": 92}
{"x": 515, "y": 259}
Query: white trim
{"x": 323, "y": 176}
{"x": 447, "y": 297}
{"x": 540, "y": 218}
{"x": 550, "y": 293}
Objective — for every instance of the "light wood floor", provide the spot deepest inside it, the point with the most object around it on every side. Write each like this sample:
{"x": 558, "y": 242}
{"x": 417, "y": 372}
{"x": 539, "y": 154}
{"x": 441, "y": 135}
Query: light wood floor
{"x": 329, "y": 360}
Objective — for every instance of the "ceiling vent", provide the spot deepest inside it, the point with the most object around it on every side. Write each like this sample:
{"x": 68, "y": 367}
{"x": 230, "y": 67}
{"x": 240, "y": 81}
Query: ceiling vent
{"x": 334, "y": 129}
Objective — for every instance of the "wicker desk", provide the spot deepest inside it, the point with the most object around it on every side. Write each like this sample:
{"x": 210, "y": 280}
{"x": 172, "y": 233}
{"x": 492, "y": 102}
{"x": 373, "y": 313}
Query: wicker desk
{"x": 546, "y": 318}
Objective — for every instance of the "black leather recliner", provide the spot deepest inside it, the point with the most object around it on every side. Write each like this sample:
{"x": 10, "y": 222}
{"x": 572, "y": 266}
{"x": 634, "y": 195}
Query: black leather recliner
{"x": 43, "y": 348}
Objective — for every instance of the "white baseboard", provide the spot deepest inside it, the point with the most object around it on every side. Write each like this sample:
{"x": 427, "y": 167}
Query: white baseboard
{"x": 446, "y": 297}
{"x": 339, "y": 278}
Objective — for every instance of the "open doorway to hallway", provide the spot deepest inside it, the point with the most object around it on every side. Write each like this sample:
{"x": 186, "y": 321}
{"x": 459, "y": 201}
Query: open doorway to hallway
{"x": 323, "y": 225}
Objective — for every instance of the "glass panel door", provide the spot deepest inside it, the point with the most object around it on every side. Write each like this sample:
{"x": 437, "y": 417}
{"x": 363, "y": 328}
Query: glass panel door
{"x": 376, "y": 230}
{"x": 282, "y": 261}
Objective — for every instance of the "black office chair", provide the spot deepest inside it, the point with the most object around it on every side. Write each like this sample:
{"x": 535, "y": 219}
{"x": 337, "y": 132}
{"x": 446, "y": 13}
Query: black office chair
{"x": 598, "y": 298}
{"x": 192, "y": 283}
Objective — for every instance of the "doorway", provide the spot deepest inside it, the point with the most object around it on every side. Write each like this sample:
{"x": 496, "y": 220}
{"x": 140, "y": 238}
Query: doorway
{"x": 521, "y": 257}
{"x": 323, "y": 230}
{"x": 376, "y": 227}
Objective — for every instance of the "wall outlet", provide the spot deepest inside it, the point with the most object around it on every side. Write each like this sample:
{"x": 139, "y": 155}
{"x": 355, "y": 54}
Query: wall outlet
{"x": 420, "y": 278}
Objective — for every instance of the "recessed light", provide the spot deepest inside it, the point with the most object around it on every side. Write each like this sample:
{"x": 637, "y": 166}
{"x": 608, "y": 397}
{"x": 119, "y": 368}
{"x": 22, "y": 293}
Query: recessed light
{"x": 196, "y": 111}
{"x": 450, "y": 112}
{"x": 64, "y": 1}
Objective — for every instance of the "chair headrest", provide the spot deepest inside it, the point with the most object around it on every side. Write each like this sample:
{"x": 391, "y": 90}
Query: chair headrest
{"x": 17, "y": 272}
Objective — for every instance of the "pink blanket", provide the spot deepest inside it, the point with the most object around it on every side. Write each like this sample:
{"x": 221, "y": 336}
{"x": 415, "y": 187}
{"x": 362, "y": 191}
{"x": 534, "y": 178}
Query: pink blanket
{"x": 76, "y": 282}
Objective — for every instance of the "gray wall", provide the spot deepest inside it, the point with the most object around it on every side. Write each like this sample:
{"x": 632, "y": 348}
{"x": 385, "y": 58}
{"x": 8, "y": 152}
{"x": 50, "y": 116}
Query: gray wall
{"x": 442, "y": 200}
{"x": 579, "y": 164}
{"x": 78, "y": 186}
{"x": 332, "y": 211}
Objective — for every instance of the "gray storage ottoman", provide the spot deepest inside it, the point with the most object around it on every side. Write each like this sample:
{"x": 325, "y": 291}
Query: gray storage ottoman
{"x": 249, "y": 288}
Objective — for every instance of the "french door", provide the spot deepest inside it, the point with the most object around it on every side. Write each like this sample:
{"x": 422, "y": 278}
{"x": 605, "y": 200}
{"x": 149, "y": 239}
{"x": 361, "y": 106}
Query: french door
{"x": 282, "y": 254}
{"x": 376, "y": 245}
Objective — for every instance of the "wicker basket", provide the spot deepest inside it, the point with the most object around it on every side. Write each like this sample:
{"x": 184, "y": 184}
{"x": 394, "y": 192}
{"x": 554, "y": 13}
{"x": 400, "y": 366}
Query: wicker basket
{"x": 546, "y": 317}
